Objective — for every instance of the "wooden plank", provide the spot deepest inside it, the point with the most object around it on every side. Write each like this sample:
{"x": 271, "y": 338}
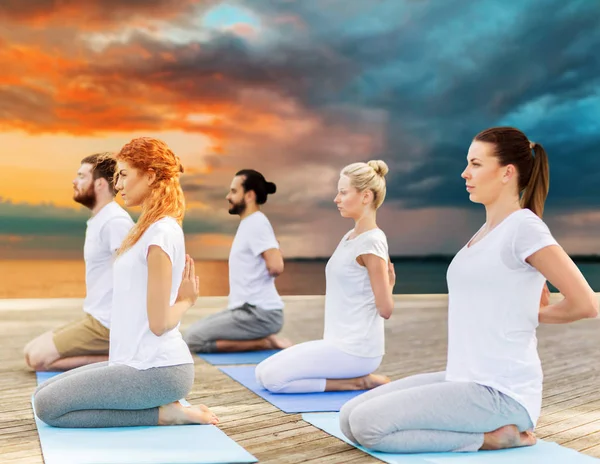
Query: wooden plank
{"x": 593, "y": 451}
{"x": 416, "y": 343}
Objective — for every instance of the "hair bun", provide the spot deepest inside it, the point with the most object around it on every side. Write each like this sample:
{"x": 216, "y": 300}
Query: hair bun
{"x": 380, "y": 167}
{"x": 271, "y": 188}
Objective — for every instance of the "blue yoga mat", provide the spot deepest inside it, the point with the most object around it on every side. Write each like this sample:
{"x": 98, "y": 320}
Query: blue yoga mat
{"x": 43, "y": 376}
{"x": 542, "y": 452}
{"x": 138, "y": 445}
{"x": 229, "y": 359}
{"x": 290, "y": 402}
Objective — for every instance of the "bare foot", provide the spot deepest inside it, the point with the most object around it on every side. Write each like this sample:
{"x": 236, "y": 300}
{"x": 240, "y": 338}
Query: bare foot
{"x": 372, "y": 381}
{"x": 177, "y": 414}
{"x": 279, "y": 343}
{"x": 507, "y": 437}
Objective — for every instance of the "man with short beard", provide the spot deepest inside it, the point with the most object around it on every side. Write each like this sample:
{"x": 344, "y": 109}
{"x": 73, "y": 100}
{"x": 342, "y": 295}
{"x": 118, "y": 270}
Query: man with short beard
{"x": 85, "y": 341}
{"x": 255, "y": 309}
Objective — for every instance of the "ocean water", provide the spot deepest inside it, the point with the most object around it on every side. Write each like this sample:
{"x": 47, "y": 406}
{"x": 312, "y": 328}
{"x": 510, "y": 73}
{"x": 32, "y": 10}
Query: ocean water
{"x": 66, "y": 279}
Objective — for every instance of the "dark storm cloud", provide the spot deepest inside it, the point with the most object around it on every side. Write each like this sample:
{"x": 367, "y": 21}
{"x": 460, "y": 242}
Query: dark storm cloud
{"x": 441, "y": 72}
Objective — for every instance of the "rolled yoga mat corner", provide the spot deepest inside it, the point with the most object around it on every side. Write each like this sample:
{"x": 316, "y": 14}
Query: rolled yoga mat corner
{"x": 41, "y": 377}
{"x": 543, "y": 452}
{"x": 179, "y": 444}
{"x": 290, "y": 402}
{"x": 243, "y": 357}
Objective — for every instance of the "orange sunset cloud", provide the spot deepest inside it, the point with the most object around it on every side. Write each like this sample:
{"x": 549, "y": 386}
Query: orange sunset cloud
{"x": 95, "y": 14}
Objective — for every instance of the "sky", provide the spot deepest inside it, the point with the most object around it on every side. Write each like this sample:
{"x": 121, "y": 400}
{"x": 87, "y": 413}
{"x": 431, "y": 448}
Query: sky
{"x": 296, "y": 89}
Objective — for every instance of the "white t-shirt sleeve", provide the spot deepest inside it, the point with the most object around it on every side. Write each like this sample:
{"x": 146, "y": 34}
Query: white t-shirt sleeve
{"x": 164, "y": 237}
{"x": 531, "y": 236}
{"x": 373, "y": 245}
{"x": 116, "y": 231}
{"x": 262, "y": 238}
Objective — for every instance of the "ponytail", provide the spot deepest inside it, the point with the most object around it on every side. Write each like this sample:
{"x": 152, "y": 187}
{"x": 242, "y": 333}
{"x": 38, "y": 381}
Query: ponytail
{"x": 536, "y": 190}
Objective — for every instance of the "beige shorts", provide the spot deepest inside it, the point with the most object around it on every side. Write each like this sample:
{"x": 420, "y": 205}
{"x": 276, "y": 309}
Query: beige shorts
{"x": 78, "y": 338}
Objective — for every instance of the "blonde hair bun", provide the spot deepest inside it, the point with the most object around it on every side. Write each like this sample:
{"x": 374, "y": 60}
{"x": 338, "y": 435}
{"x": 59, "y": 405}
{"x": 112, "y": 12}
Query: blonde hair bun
{"x": 380, "y": 167}
{"x": 369, "y": 176}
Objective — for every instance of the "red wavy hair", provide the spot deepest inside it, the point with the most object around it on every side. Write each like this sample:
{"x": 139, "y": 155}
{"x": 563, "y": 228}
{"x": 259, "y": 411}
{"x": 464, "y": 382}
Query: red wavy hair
{"x": 166, "y": 196}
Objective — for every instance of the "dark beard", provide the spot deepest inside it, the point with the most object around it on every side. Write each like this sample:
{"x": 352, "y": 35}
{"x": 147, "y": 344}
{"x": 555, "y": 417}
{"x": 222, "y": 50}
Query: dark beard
{"x": 237, "y": 208}
{"x": 87, "y": 198}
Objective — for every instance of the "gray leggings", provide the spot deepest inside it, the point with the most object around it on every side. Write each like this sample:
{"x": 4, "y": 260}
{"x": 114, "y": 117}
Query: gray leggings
{"x": 247, "y": 322}
{"x": 99, "y": 395}
{"x": 425, "y": 413}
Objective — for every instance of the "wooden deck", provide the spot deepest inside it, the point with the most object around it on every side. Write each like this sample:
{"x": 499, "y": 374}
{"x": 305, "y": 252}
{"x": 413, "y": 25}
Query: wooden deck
{"x": 416, "y": 342}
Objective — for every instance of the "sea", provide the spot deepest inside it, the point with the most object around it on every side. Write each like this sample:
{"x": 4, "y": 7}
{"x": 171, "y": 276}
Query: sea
{"x": 66, "y": 278}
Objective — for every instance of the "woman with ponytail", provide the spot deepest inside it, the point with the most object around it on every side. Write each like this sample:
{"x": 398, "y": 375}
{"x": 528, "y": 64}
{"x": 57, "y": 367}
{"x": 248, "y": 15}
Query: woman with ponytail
{"x": 490, "y": 395}
{"x": 149, "y": 367}
{"x": 358, "y": 297}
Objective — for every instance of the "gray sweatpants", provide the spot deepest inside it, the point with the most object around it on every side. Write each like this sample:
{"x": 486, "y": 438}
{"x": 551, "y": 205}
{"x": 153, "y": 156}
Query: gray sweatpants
{"x": 247, "y": 322}
{"x": 425, "y": 413}
{"x": 99, "y": 395}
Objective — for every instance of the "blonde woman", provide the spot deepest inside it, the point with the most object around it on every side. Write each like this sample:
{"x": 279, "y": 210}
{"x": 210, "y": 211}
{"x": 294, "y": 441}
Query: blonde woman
{"x": 149, "y": 366}
{"x": 490, "y": 395}
{"x": 360, "y": 280}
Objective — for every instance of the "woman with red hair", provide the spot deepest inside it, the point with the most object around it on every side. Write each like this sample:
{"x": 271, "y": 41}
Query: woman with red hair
{"x": 150, "y": 367}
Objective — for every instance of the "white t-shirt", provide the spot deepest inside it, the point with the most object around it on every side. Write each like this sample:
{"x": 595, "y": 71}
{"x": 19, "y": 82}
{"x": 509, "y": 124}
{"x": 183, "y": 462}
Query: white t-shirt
{"x": 249, "y": 278}
{"x": 131, "y": 341}
{"x": 352, "y": 322}
{"x": 103, "y": 236}
{"x": 494, "y": 301}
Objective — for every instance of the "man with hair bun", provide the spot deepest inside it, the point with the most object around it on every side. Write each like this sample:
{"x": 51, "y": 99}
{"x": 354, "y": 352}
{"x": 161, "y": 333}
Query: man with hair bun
{"x": 255, "y": 310}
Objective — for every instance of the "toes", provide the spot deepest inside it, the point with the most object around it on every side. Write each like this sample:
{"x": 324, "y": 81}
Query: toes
{"x": 531, "y": 438}
{"x": 210, "y": 419}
